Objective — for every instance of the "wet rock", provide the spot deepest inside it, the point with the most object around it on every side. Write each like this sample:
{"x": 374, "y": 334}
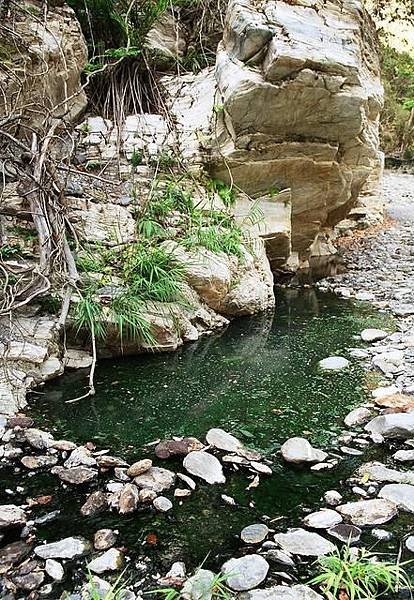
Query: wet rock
{"x": 168, "y": 448}
{"x": 111, "y": 560}
{"x": 139, "y": 467}
{"x": 156, "y": 479}
{"x": 80, "y": 457}
{"x": 177, "y": 570}
{"x": 403, "y": 402}
{"x": 71, "y": 547}
{"x": 54, "y": 569}
{"x": 96, "y": 588}
{"x": 105, "y": 461}
{"x": 404, "y": 456}
{"x": 333, "y": 363}
{"x": 20, "y": 421}
{"x": 41, "y": 440}
{"x": 75, "y": 475}
{"x": 246, "y": 572}
{"x": 11, "y": 516}
{"x": 128, "y": 499}
{"x": 298, "y": 450}
{"x": 379, "y": 472}
{"x": 147, "y": 496}
{"x": 400, "y": 425}
{"x": 280, "y": 557}
{"x": 261, "y": 468}
{"x": 368, "y": 512}
{"x": 38, "y": 462}
{"x": 351, "y": 451}
{"x": 223, "y": 441}
{"x": 204, "y": 465}
{"x": 409, "y": 542}
{"x": 323, "y": 466}
{"x": 12, "y": 554}
{"x": 77, "y": 359}
{"x": 373, "y": 335}
{"x": 199, "y": 586}
{"x": 332, "y": 497}
{"x": 382, "y": 534}
{"x": 162, "y": 504}
{"x": 281, "y": 592}
{"x": 400, "y": 494}
{"x": 104, "y": 539}
{"x": 29, "y": 576}
{"x": 358, "y": 416}
{"x": 322, "y": 519}
{"x": 304, "y": 543}
{"x": 349, "y": 534}
{"x": 96, "y": 502}
{"x": 254, "y": 534}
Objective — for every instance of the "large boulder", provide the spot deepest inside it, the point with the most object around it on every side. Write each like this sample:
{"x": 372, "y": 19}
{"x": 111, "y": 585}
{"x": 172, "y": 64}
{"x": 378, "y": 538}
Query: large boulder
{"x": 301, "y": 95}
{"x": 398, "y": 425}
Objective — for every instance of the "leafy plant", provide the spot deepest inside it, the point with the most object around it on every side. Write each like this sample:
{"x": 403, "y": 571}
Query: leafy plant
{"x": 152, "y": 273}
{"x": 136, "y": 158}
{"x": 225, "y": 192}
{"x": 216, "y": 239}
{"x": 89, "y": 315}
{"x": 127, "y": 313}
{"x": 8, "y": 251}
{"x": 362, "y": 577}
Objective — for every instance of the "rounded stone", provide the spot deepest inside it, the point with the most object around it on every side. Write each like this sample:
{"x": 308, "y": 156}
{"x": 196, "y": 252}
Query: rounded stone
{"x": 333, "y": 363}
{"x": 245, "y": 573}
{"x": 254, "y": 534}
{"x": 409, "y": 542}
{"x": 162, "y": 504}
{"x": 322, "y": 519}
{"x": 373, "y": 335}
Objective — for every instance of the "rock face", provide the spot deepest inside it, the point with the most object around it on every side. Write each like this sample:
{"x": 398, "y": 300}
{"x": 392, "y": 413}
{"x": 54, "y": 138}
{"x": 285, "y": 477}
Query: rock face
{"x": 315, "y": 65}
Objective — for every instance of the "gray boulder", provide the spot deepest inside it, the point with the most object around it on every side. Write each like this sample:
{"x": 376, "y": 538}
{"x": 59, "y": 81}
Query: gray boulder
{"x": 368, "y": 512}
{"x": 398, "y": 425}
{"x": 304, "y": 543}
{"x": 246, "y": 572}
{"x": 298, "y": 450}
{"x": 71, "y": 547}
{"x": 401, "y": 494}
{"x": 204, "y": 465}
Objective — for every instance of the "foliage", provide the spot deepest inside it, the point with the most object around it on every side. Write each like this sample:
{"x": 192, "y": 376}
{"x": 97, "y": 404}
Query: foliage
{"x": 398, "y": 79}
{"x": 152, "y": 273}
{"x": 8, "y": 251}
{"x": 225, "y": 192}
{"x": 217, "y": 590}
{"x": 216, "y": 239}
{"x": 361, "y": 578}
{"x": 136, "y": 158}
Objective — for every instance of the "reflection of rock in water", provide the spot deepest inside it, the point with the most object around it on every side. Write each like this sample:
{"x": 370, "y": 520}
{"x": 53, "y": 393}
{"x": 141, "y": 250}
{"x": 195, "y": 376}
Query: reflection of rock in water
{"x": 305, "y": 300}
{"x": 319, "y": 267}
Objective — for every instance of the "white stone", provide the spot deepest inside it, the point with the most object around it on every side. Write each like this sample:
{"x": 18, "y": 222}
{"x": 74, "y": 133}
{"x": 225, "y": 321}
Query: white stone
{"x": 54, "y": 569}
{"x": 409, "y": 542}
{"x": 334, "y": 363}
{"x": 398, "y": 425}
{"x": 162, "y": 504}
{"x": 246, "y": 572}
{"x": 304, "y": 543}
{"x": 11, "y": 516}
{"x": 70, "y": 547}
{"x": 381, "y": 392}
{"x": 379, "y": 472}
{"x": 281, "y": 592}
{"x": 332, "y": 497}
{"x": 204, "y": 465}
{"x": 401, "y": 494}
{"x": 368, "y": 512}
{"x": 223, "y": 441}
{"x": 254, "y": 534}
{"x": 373, "y": 335}
{"x": 298, "y": 450}
{"x": 404, "y": 456}
{"x": 358, "y": 416}
{"x": 111, "y": 560}
{"x": 157, "y": 479}
{"x": 199, "y": 586}
{"x": 322, "y": 519}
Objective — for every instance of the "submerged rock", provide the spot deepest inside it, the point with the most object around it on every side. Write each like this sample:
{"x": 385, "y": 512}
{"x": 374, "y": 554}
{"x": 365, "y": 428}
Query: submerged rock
{"x": 254, "y": 534}
{"x": 333, "y": 363}
{"x": 368, "y": 512}
{"x": 204, "y": 465}
{"x": 12, "y": 554}
{"x": 156, "y": 479}
{"x": 71, "y": 547}
{"x": 400, "y": 494}
{"x": 304, "y": 543}
{"x": 246, "y": 572}
{"x": 281, "y": 592}
{"x": 322, "y": 519}
{"x": 298, "y": 450}
{"x": 111, "y": 560}
{"x": 11, "y": 516}
{"x": 349, "y": 534}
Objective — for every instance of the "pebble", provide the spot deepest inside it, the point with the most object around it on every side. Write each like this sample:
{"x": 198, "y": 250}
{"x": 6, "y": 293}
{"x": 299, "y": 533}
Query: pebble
{"x": 54, "y": 569}
{"x": 162, "y": 504}
{"x": 254, "y": 534}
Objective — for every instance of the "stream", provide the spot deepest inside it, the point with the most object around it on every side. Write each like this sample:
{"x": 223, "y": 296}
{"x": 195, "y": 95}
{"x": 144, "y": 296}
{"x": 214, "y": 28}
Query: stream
{"x": 259, "y": 380}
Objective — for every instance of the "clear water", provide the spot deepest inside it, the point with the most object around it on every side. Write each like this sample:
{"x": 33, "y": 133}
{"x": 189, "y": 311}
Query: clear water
{"x": 258, "y": 379}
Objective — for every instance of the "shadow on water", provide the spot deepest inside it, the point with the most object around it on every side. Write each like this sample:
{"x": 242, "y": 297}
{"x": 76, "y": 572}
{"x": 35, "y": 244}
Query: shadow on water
{"x": 258, "y": 379}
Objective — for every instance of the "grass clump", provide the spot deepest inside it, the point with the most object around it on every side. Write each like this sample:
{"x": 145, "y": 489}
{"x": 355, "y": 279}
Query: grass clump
{"x": 361, "y": 577}
{"x": 216, "y": 589}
